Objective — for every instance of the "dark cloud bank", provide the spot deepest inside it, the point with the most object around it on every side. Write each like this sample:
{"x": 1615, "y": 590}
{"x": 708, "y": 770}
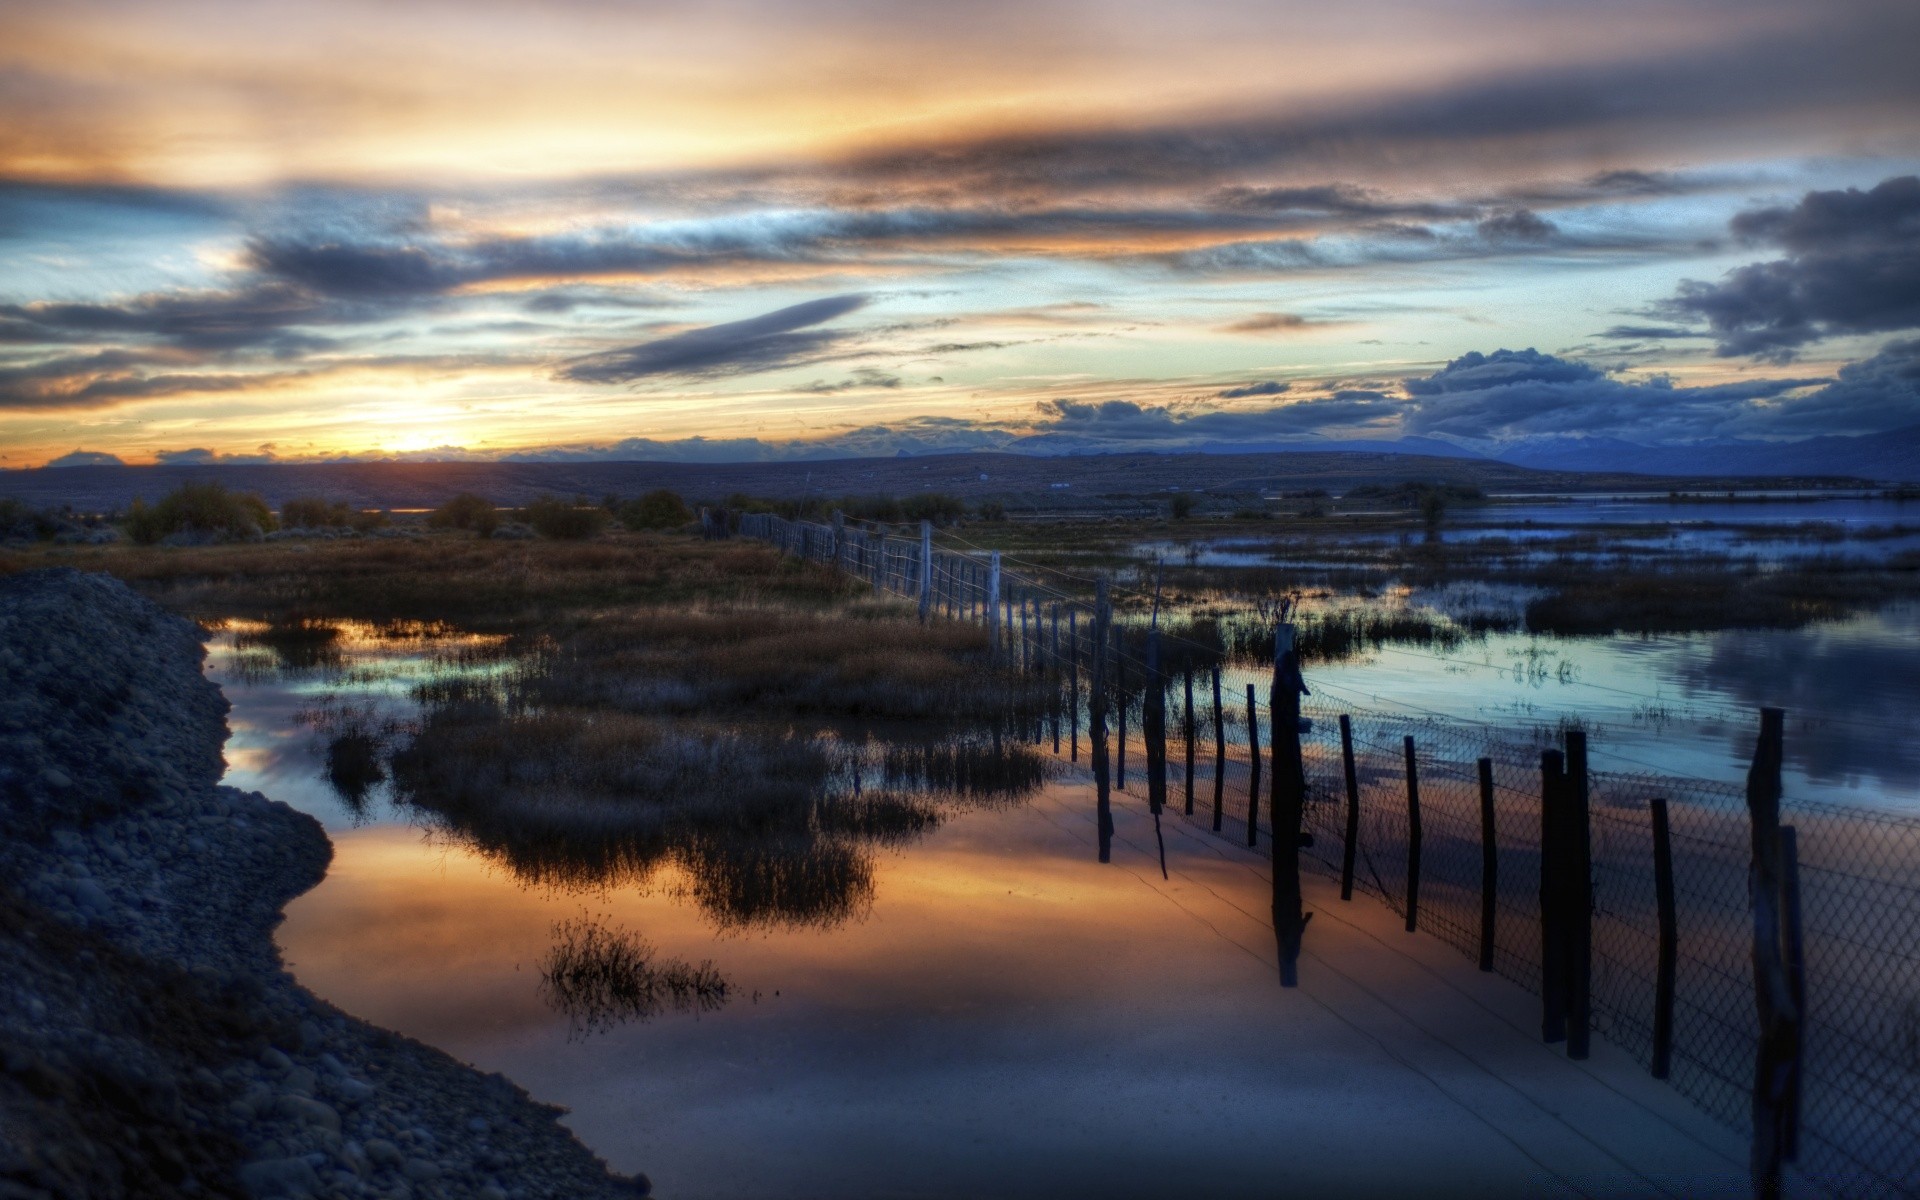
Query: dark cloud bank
{"x": 1852, "y": 266}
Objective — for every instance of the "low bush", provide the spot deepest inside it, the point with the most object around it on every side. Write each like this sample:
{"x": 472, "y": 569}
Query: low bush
{"x": 310, "y": 512}
{"x": 660, "y": 509}
{"x": 466, "y": 511}
{"x": 201, "y": 511}
{"x": 562, "y": 520}
{"x": 23, "y": 522}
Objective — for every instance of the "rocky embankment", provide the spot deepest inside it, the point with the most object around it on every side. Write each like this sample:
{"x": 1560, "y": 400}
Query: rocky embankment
{"x": 151, "y": 1044}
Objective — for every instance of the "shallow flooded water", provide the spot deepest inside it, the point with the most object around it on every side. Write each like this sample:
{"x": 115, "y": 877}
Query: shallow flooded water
{"x": 974, "y": 1006}
{"x": 1003, "y": 1016}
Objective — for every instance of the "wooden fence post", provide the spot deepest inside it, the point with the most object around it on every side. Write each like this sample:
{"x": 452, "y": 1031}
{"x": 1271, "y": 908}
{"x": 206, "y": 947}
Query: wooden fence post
{"x": 1553, "y": 937}
{"x": 1579, "y": 910}
{"x": 1288, "y": 803}
{"x": 1120, "y": 698}
{"x": 1793, "y": 948}
{"x": 1668, "y": 957}
{"x": 926, "y": 570}
{"x": 993, "y": 606}
{"x": 1186, "y": 677}
{"x": 1777, "y": 1049}
{"x": 1059, "y": 677}
{"x": 1097, "y": 716}
{"x": 1219, "y": 749}
{"x": 1154, "y": 716}
{"x": 1353, "y": 807}
{"x": 1413, "y": 838}
{"x": 1073, "y": 679}
{"x": 1489, "y": 864}
{"x": 1253, "y": 768}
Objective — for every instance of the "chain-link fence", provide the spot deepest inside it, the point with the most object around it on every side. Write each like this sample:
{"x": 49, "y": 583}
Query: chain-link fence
{"x": 1859, "y": 871}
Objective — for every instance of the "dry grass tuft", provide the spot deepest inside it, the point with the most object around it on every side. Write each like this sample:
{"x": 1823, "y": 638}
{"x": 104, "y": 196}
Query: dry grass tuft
{"x": 601, "y": 977}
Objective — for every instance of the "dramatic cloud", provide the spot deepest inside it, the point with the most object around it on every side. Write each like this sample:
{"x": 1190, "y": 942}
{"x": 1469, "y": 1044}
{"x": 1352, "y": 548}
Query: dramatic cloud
{"x": 764, "y": 343}
{"x": 1266, "y": 387}
{"x": 1855, "y": 60}
{"x": 1074, "y": 427}
{"x": 1870, "y": 396}
{"x": 1852, "y": 266}
{"x": 1522, "y": 393}
{"x": 254, "y": 315}
{"x": 98, "y": 380}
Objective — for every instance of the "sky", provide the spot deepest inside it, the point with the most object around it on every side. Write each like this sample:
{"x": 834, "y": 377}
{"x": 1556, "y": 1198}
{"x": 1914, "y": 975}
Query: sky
{"x": 758, "y": 229}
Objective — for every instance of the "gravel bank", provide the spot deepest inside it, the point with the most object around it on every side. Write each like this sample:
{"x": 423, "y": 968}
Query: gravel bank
{"x": 151, "y": 1044}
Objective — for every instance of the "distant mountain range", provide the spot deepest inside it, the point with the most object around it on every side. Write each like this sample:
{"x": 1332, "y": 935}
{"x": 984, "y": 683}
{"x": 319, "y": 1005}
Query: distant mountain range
{"x": 1889, "y": 457}
{"x": 1114, "y": 482}
{"x": 1892, "y": 457}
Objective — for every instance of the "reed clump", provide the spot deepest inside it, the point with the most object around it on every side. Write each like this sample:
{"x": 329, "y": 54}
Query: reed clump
{"x": 601, "y": 976}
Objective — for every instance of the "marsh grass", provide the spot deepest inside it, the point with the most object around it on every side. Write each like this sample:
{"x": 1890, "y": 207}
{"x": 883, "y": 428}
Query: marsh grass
{"x": 601, "y": 976}
{"x": 477, "y": 584}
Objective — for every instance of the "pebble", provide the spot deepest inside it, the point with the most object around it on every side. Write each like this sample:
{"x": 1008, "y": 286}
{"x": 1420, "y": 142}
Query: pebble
{"x": 293, "y": 1178}
{"x": 422, "y": 1170}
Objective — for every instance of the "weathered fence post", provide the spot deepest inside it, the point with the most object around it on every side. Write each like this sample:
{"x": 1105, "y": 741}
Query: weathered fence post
{"x": 1668, "y": 956}
{"x": 839, "y": 536}
{"x": 926, "y": 570}
{"x": 1777, "y": 1050}
{"x": 1059, "y": 677}
{"x": 1348, "y": 851}
{"x": 1073, "y": 680}
{"x": 1413, "y": 838}
{"x": 1253, "y": 766}
{"x": 1186, "y": 676}
{"x": 1553, "y": 936}
{"x": 1579, "y": 911}
{"x": 1154, "y": 716}
{"x": 1793, "y": 947}
{"x": 1288, "y": 803}
{"x": 1120, "y": 696}
{"x": 1219, "y": 749}
{"x": 1097, "y": 715}
{"x": 1489, "y": 864}
{"x": 993, "y": 606}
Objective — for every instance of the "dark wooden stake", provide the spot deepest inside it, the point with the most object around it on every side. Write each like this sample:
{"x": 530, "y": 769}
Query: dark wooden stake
{"x": 1253, "y": 767}
{"x": 1352, "y": 847}
{"x": 1219, "y": 750}
{"x": 1794, "y": 948}
{"x": 1669, "y": 952}
{"x": 1097, "y": 718}
{"x": 1777, "y": 1049}
{"x": 1553, "y": 938}
{"x": 1579, "y": 902}
{"x": 1413, "y": 838}
{"x": 1187, "y": 730}
{"x": 1489, "y": 865}
{"x": 1073, "y": 680}
{"x": 1288, "y": 804}
{"x": 1120, "y": 703}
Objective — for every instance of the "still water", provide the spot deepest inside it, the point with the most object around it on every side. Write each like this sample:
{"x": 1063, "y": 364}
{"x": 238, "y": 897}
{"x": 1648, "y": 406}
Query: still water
{"x": 1756, "y": 529}
{"x": 1005, "y": 1016}
{"x": 998, "y": 1013}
